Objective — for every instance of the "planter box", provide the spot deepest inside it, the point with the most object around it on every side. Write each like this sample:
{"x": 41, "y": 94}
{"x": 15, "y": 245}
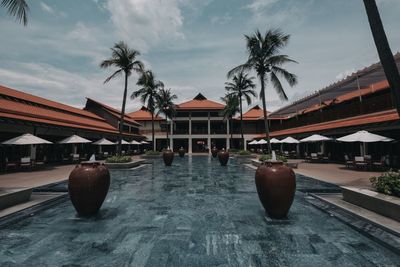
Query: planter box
{"x": 12, "y": 196}
{"x": 382, "y": 204}
{"x": 150, "y": 156}
{"x": 127, "y": 165}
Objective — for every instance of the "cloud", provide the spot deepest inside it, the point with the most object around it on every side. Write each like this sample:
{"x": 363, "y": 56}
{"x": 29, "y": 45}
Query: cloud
{"x": 46, "y": 8}
{"x": 259, "y": 5}
{"x": 146, "y": 23}
{"x": 222, "y": 20}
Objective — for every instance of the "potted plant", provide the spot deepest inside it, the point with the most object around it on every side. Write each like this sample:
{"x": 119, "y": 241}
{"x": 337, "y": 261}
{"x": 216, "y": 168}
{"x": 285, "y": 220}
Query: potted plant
{"x": 214, "y": 152}
{"x": 168, "y": 157}
{"x": 223, "y": 157}
{"x": 181, "y": 152}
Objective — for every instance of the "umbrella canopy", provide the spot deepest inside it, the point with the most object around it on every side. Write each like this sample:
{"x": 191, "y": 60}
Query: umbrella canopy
{"x": 74, "y": 139}
{"x": 103, "y": 142}
{"x": 290, "y": 140}
{"x": 262, "y": 142}
{"x": 365, "y": 137}
{"x": 135, "y": 143}
{"x": 274, "y": 141}
{"x": 315, "y": 138}
{"x": 144, "y": 142}
{"x": 123, "y": 142}
{"x": 26, "y": 139}
{"x": 254, "y": 142}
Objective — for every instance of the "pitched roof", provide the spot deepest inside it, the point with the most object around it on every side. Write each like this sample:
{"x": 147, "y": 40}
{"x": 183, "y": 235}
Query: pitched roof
{"x": 200, "y": 102}
{"x": 114, "y": 112}
{"x": 22, "y": 106}
{"x": 382, "y": 116}
{"x": 255, "y": 113}
{"x": 144, "y": 114}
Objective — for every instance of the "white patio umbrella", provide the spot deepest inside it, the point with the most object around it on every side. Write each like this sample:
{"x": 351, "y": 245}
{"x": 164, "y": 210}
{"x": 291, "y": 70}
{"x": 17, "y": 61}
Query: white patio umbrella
{"x": 27, "y": 139}
{"x": 262, "y": 142}
{"x": 289, "y": 140}
{"x": 123, "y": 142}
{"x": 134, "y": 142}
{"x": 103, "y": 142}
{"x": 144, "y": 143}
{"x": 254, "y": 142}
{"x": 275, "y": 141}
{"x": 74, "y": 139}
{"x": 315, "y": 138}
{"x": 364, "y": 137}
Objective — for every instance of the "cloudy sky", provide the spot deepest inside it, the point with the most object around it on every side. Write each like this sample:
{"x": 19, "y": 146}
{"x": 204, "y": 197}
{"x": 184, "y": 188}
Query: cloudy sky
{"x": 189, "y": 44}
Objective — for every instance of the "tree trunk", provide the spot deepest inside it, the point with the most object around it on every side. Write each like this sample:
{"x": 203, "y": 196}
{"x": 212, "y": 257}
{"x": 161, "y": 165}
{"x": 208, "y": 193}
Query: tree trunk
{"x": 384, "y": 51}
{"x": 121, "y": 121}
{"x": 152, "y": 131}
{"x": 166, "y": 119}
{"x": 266, "y": 126}
{"x": 231, "y": 126}
{"x": 241, "y": 120}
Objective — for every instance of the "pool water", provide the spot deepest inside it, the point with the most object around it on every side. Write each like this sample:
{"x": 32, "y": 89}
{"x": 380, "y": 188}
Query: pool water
{"x": 195, "y": 213}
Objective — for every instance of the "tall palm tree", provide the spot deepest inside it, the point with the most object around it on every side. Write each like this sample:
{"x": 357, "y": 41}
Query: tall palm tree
{"x": 264, "y": 58}
{"x": 384, "y": 51}
{"x": 148, "y": 92}
{"x": 230, "y": 110}
{"x": 18, "y": 9}
{"x": 166, "y": 106}
{"x": 125, "y": 59}
{"x": 241, "y": 86}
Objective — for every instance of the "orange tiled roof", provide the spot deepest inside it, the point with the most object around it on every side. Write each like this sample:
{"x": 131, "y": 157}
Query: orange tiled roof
{"x": 382, "y": 116}
{"x": 115, "y": 112}
{"x": 200, "y": 103}
{"x": 143, "y": 114}
{"x": 255, "y": 113}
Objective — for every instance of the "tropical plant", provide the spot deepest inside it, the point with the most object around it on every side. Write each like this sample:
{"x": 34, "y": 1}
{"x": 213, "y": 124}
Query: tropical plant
{"x": 119, "y": 159}
{"x": 387, "y": 183}
{"x": 125, "y": 59}
{"x": 241, "y": 86}
{"x": 244, "y": 153}
{"x": 166, "y": 106}
{"x": 148, "y": 93}
{"x": 384, "y": 51}
{"x": 263, "y": 158}
{"x": 18, "y": 9}
{"x": 229, "y": 111}
{"x": 264, "y": 58}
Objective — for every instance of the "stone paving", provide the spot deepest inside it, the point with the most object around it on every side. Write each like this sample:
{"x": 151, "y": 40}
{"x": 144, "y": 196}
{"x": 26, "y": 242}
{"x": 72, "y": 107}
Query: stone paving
{"x": 195, "y": 213}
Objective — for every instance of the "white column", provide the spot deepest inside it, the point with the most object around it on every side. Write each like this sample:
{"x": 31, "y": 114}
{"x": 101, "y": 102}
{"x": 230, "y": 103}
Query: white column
{"x": 171, "y": 133}
{"x": 190, "y": 145}
{"x": 245, "y": 143}
{"x": 209, "y": 144}
{"x": 228, "y": 140}
{"x": 33, "y": 152}
{"x": 190, "y": 134}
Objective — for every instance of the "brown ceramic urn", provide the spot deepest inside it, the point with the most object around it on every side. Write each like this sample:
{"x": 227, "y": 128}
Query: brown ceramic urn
{"x": 214, "y": 152}
{"x": 181, "y": 152}
{"x": 223, "y": 157}
{"x": 88, "y": 185}
{"x": 276, "y": 186}
{"x": 168, "y": 157}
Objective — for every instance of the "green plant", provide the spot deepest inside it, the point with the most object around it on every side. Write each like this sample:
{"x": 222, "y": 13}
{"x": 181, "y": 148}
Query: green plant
{"x": 119, "y": 159}
{"x": 269, "y": 157}
{"x": 244, "y": 153}
{"x": 152, "y": 153}
{"x": 233, "y": 150}
{"x": 387, "y": 183}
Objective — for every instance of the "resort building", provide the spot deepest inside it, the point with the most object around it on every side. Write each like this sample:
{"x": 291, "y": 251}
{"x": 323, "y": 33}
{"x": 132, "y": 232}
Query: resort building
{"x": 22, "y": 113}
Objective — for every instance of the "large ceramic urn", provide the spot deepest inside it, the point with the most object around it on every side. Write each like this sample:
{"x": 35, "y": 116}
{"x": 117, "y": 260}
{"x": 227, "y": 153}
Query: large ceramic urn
{"x": 181, "y": 152}
{"x": 168, "y": 157}
{"x": 88, "y": 185}
{"x": 214, "y": 152}
{"x": 276, "y": 186}
{"x": 223, "y": 157}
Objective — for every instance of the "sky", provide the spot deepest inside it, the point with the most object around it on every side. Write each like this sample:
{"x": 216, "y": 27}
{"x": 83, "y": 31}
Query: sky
{"x": 189, "y": 44}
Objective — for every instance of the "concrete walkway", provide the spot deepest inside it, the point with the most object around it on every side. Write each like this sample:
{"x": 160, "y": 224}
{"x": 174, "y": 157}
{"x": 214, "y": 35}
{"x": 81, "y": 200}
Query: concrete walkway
{"x": 335, "y": 173}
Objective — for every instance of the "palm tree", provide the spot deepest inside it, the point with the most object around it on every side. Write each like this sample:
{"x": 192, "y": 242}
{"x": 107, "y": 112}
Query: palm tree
{"x": 229, "y": 111}
{"x": 125, "y": 60}
{"x": 18, "y": 9}
{"x": 241, "y": 87}
{"x": 165, "y": 105}
{"x": 264, "y": 57}
{"x": 148, "y": 92}
{"x": 384, "y": 51}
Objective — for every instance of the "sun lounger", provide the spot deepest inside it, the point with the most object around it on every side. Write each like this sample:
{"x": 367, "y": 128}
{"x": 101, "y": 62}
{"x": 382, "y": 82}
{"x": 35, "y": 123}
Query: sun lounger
{"x": 360, "y": 162}
{"x": 381, "y": 165}
{"x": 348, "y": 161}
{"x": 25, "y": 162}
{"x": 75, "y": 157}
{"x": 11, "y": 165}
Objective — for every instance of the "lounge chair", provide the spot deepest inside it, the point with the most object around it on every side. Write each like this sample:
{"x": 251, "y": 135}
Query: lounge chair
{"x": 39, "y": 163}
{"x": 11, "y": 165}
{"x": 314, "y": 157}
{"x": 307, "y": 157}
{"x": 360, "y": 162}
{"x": 327, "y": 157}
{"x": 348, "y": 161}
{"x": 75, "y": 157}
{"x": 25, "y": 162}
{"x": 381, "y": 165}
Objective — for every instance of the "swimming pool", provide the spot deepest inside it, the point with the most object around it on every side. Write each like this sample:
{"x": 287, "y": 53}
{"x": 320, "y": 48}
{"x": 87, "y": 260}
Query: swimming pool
{"x": 195, "y": 213}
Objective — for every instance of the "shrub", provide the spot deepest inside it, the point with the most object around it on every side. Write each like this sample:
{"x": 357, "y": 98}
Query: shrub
{"x": 269, "y": 157}
{"x": 233, "y": 150}
{"x": 152, "y": 153}
{"x": 387, "y": 183}
{"x": 119, "y": 159}
{"x": 244, "y": 153}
